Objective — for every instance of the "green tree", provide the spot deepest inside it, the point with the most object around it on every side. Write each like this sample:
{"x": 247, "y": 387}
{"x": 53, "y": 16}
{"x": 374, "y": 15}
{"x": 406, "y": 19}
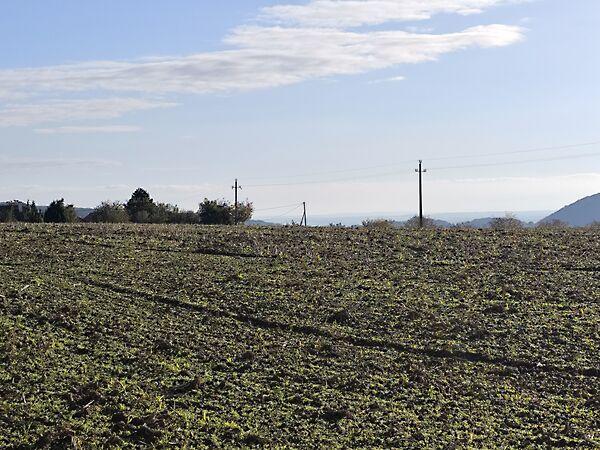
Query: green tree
{"x": 17, "y": 211}
{"x": 215, "y": 212}
{"x": 508, "y": 222}
{"x": 221, "y": 212}
{"x": 378, "y": 224}
{"x": 244, "y": 212}
{"x": 167, "y": 213}
{"x": 164, "y": 213}
{"x": 32, "y": 214}
{"x": 8, "y": 213}
{"x": 187, "y": 217}
{"x": 415, "y": 222}
{"x": 108, "y": 212}
{"x": 58, "y": 212}
{"x": 140, "y": 206}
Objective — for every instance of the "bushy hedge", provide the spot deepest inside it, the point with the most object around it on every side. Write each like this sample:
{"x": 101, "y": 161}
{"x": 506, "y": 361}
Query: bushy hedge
{"x": 141, "y": 208}
{"x": 20, "y": 212}
{"x": 58, "y": 212}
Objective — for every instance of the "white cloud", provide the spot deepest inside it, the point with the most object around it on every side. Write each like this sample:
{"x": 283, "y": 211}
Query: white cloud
{"x": 80, "y": 109}
{"x": 388, "y": 80}
{"x": 353, "y": 13}
{"x": 416, "y": 29}
{"x": 316, "y": 46}
{"x": 109, "y": 129}
{"x": 12, "y": 164}
{"x": 266, "y": 57}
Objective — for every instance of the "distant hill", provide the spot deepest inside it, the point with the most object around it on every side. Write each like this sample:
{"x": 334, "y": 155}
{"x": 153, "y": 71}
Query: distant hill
{"x": 484, "y": 222}
{"x": 439, "y": 223}
{"x": 261, "y": 223}
{"x": 82, "y": 213}
{"x": 579, "y": 214}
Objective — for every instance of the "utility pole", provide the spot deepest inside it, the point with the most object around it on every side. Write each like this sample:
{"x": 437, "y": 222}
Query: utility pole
{"x": 303, "y": 220}
{"x": 235, "y": 210}
{"x": 421, "y": 172}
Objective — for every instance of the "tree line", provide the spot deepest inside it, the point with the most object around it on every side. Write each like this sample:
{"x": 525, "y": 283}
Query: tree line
{"x": 507, "y": 223}
{"x": 140, "y": 208}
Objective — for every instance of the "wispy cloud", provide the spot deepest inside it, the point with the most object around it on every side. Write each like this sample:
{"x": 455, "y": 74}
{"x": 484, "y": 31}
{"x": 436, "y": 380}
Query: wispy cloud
{"x": 387, "y": 80}
{"x": 354, "y": 13}
{"x": 79, "y": 109}
{"x": 10, "y": 165}
{"x": 110, "y": 129}
{"x": 311, "y": 41}
{"x": 266, "y": 57}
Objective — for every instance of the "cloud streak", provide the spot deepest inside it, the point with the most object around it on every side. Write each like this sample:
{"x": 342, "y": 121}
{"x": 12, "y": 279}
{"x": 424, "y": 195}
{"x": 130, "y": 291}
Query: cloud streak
{"x": 266, "y": 57}
{"x": 354, "y": 13}
{"x": 388, "y": 80}
{"x": 109, "y": 129}
{"x": 10, "y": 165}
{"x": 77, "y": 109}
{"x": 310, "y": 42}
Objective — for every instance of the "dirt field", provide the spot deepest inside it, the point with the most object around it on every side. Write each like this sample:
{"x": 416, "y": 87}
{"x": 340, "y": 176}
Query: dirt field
{"x": 180, "y": 336}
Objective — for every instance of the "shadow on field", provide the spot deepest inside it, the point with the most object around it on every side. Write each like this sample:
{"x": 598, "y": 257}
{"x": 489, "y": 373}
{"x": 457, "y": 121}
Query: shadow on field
{"x": 352, "y": 340}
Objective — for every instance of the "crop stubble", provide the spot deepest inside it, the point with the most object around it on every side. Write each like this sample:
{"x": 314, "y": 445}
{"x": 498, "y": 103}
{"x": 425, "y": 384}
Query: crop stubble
{"x": 220, "y": 337}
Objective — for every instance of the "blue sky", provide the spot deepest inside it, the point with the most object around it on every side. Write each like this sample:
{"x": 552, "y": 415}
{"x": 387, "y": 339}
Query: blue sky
{"x": 339, "y": 97}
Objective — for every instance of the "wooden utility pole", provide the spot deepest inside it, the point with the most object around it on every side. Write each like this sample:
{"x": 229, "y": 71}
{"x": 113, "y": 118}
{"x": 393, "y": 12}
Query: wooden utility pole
{"x": 304, "y": 220}
{"x": 235, "y": 207}
{"x": 421, "y": 172}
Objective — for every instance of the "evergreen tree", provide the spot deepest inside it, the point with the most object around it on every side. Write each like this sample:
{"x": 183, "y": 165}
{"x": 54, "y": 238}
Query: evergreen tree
{"x": 58, "y": 212}
{"x": 140, "y": 206}
{"x": 32, "y": 214}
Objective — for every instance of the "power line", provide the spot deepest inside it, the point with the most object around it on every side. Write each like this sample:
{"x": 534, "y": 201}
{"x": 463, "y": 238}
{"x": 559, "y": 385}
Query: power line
{"x": 298, "y": 183}
{"x": 276, "y": 207}
{"x": 514, "y": 152}
{"x": 440, "y": 158}
{"x": 329, "y": 172}
{"x": 525, "y": 161}
{"x": 287, "y": 212}
{"x": 396, "y": 172}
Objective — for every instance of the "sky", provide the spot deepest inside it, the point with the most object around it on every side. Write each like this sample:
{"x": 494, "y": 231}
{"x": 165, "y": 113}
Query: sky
{"x": 329, "y": 102}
